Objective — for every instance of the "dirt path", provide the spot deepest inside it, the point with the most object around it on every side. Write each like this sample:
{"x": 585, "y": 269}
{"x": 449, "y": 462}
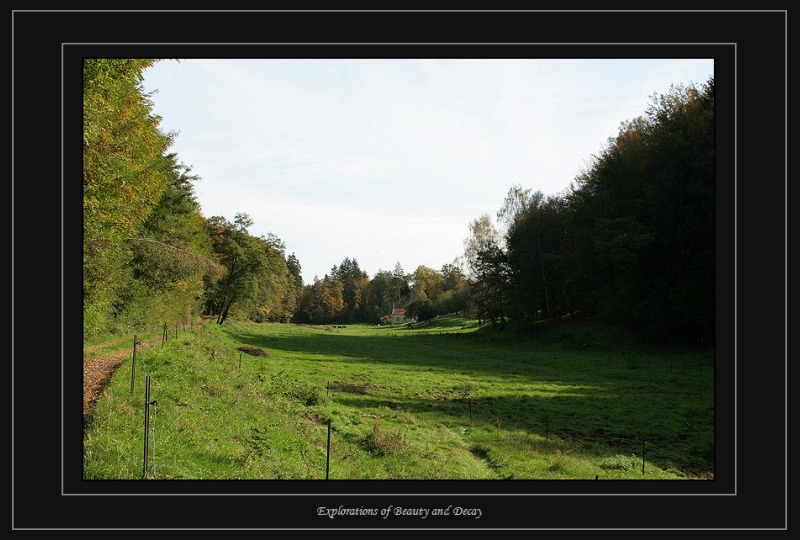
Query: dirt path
{"x": 97, "y": 372}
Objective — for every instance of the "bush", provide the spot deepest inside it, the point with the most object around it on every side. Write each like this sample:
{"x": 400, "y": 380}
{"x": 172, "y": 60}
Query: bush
{"x": 381, "y": 443}
{"x": 94, "y": 322}
{"x": 625, "y": 463}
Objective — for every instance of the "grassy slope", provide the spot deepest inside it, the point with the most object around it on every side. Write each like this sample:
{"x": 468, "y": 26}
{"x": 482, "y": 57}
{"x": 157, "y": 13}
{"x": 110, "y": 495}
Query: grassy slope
{"x": 572, "y": 401}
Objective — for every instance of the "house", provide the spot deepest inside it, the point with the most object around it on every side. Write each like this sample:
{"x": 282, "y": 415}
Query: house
{"x": 398, "y": 315}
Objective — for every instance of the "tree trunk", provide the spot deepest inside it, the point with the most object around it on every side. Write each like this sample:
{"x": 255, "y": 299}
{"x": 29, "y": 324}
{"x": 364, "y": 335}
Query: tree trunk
{"x": 224, "y": 313}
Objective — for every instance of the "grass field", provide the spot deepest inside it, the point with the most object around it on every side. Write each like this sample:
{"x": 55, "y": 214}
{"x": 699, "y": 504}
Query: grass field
{"x": 445, "y": 400}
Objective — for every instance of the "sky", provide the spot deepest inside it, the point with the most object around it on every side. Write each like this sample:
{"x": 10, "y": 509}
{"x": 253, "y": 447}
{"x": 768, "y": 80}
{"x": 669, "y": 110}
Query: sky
{"x": 388, "y": 161}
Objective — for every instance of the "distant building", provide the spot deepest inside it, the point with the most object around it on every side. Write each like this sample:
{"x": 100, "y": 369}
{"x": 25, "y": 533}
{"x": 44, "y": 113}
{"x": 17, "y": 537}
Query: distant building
{"x": 398, "y": 315}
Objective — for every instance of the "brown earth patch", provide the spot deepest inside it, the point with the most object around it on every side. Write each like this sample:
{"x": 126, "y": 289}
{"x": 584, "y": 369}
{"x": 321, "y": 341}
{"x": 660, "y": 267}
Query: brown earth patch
{"x": 312, "y": 417}
{"x": 97, "y": 372}
{"x": 253, "y": 351}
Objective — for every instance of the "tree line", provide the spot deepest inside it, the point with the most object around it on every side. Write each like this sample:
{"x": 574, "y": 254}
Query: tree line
{"x": 149, "y": 254}
{"x": 631, "y": 240}
{"x": 348, "y": 295}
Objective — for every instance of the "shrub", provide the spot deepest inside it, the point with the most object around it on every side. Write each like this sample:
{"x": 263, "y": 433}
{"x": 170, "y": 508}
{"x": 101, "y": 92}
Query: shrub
{"x": 381, "y": 443}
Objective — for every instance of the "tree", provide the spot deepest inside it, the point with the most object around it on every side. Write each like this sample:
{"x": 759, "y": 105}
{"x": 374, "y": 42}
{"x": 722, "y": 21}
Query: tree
{"x": 427, "y": 284}
{"x": 491, "y": 284}
{"x": 536, "y": 242}
{"x": 517, "y": 203}
{"x": 455, "y": 289}
{"x": 277, "y": 296}
{"x": 321, "y": 302}
{"x": 400, "y": 286}
{"x": 293, "y": 265}
{"x": 243, "y": 221}
{"x": 422, "y": 310}
{"x": 349, "y": 275}
{"x": 453, "y": 276}
{"x": 642, "y": 221}
{"x": 382, "y": 294}
{"x": 294, "y": 287}
{"x": 254, "y": 268}
{"x": 489, "y": 271}
{"x": 364, "y": 298}
{"x": 125, "y": 172}
{"x": 482, "y": 235}
{"x": 172, "y": 256}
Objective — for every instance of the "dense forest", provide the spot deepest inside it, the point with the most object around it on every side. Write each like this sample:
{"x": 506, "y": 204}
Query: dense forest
{"x": 631, "y": 241}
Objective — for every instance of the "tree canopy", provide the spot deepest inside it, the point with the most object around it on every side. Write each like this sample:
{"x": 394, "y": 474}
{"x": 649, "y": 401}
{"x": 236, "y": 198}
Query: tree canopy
{"x": 631, "y": 240}
{"x": 149, "y": 254}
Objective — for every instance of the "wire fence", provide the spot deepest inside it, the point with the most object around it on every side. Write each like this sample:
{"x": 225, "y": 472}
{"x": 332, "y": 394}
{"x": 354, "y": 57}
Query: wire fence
{"x": 472, "y": 411}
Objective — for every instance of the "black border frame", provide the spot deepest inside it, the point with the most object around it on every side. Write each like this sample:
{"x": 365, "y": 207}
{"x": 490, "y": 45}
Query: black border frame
{"x": 750, "y": 61}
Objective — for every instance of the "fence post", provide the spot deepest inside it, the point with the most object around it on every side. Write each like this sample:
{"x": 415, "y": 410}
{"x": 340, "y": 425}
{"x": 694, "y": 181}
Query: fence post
{"x": 643, "y": 443}
{"x": 328, "y": 456}
{"x": 146, "y": 423}
{"x": 133, "y": 363}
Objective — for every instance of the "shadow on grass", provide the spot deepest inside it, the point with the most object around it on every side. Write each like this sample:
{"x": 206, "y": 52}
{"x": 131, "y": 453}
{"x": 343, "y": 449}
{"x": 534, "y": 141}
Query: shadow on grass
{"x": 560, "y": 423}
{"x": 598, "y": 385}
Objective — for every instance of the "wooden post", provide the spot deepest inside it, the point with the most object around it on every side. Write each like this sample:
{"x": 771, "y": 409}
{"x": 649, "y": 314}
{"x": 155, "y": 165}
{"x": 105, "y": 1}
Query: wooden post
{"x": 133, "y": 364}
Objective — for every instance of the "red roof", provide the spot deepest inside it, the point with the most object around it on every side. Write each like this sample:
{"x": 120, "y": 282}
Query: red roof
{"x": 398, "y": 311}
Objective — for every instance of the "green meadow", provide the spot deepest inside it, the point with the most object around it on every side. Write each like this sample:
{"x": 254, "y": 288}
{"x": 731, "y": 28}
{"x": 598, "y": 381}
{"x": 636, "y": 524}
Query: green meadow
{"x": 446, "y": 400}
